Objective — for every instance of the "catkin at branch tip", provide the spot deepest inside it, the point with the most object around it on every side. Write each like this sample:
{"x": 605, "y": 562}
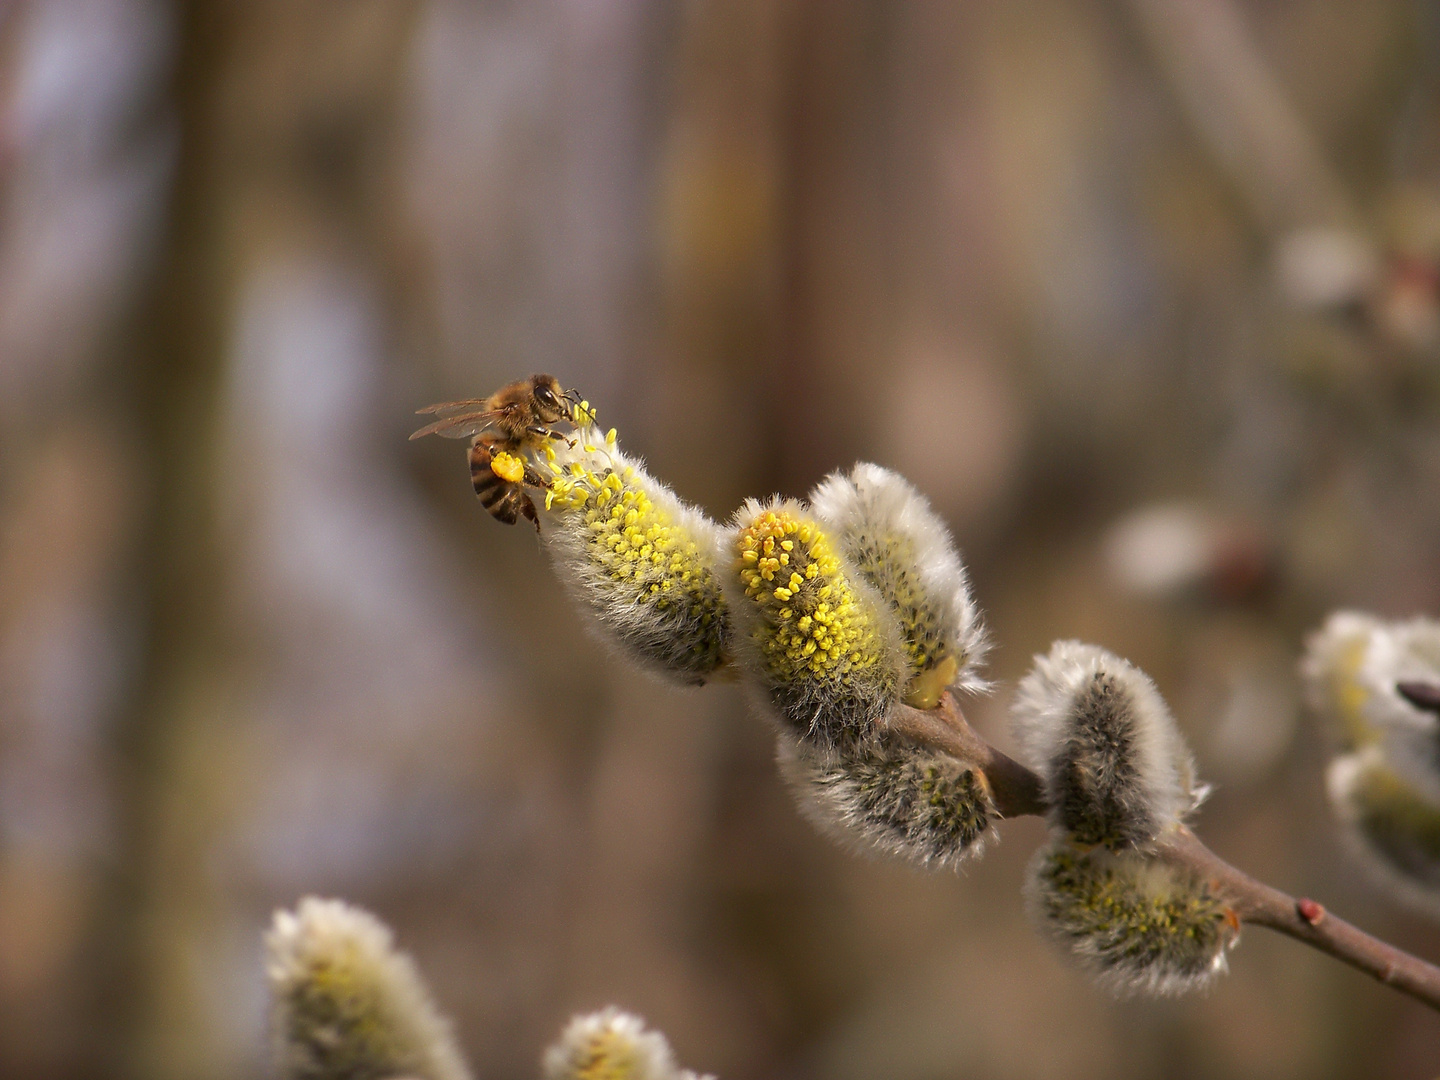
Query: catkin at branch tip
{"x": 898, "y": 544}
{"x": 1115, "y": 768}
{"x": 821, "y": 646}
{"x": 640, "y": 562}
{"x": 346, "y": 1005}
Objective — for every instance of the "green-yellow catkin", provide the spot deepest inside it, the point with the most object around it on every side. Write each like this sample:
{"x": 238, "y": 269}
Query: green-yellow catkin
{"x": 1390, "y": 823}
{"x": 639, "y": 560}
{"x": 892, "y": 797}
{"x": 612, "y": 1045}
{"x": 346, "y": 1005}
{"x": 899, "y": 545}
{"x": 817, "y": 640}
{"x": 1136, "y": 924}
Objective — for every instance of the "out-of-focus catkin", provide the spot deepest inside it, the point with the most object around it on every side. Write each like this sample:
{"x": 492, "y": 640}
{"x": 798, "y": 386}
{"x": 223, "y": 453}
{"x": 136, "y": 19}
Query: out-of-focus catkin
{"x": 1390, "y": 824}
{"x": 1370, "y": 679}
{"x": 612, "y": 1045}
{"x": 346, "y": 1005}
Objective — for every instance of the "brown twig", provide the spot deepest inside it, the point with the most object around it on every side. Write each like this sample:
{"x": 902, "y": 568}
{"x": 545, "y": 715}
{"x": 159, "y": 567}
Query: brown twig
{"x": 1017, "y": 791}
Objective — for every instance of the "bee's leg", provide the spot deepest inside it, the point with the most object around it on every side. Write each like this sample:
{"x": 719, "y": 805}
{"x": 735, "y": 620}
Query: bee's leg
{"x": 534, "y": 479}
{"x": 528, "y": 509}
{"x": 550, "y": 433}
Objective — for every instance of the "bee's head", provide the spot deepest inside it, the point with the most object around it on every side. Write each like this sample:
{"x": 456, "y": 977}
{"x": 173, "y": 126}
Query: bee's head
{"x": 552, "y": 403}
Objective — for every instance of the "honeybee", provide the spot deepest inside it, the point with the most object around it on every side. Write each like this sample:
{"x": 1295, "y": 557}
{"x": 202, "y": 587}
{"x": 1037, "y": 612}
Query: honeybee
{"x": 501, "y": 428}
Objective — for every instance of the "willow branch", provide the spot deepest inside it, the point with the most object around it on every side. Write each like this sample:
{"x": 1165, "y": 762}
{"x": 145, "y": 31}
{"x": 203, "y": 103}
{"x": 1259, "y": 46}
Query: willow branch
{"x": 1017, "y": 791}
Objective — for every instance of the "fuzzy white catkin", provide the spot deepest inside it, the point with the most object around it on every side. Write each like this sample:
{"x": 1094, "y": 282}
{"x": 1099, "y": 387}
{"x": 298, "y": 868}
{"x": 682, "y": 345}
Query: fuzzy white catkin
{"x": 612, "y": 1045}
{"x": 641, "y": 562}
{"x": 1391, "y": 826}
{"x": 898, "y": 544}
{"x": 893, "y": 798}
{"x": 1352, "y": 670}
{"x": 1115, "y": 767}
{"x": 346, "y": 1005}
{"x": 814, "y": 638}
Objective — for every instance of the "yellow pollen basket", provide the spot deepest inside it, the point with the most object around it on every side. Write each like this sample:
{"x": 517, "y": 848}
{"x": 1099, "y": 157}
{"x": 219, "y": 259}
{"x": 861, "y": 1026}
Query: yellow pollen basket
{"x": 507, "y": 466}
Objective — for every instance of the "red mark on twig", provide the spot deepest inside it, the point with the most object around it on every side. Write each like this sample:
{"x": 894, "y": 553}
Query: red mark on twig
{"x": 1310, "y": 911}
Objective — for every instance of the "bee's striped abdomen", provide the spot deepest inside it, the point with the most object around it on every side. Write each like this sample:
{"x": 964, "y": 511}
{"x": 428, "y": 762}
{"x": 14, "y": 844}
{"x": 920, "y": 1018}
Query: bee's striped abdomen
{"x": 504, "y": 500}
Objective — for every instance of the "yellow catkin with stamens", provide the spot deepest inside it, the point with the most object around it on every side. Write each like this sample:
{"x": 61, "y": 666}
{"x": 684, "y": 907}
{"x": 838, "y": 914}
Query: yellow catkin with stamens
{"x": 346, "y": 1004}
{"x": 818, "y": 641}
{"x": 640, "y": 561}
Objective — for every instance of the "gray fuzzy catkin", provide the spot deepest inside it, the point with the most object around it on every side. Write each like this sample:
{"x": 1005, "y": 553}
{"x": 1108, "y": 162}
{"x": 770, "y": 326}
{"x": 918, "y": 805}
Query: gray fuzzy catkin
{"x": 1115, "y": 768}
{"x": 892, "y": 797}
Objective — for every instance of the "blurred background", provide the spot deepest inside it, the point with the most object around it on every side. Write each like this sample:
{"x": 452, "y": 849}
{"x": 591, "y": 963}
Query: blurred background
{"x": 1142, "y": 293}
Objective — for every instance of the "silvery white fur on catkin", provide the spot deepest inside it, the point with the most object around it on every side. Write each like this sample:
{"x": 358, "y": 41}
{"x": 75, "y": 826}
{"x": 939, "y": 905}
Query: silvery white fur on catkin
{"x": 1151, "y": 781}
{"x": 873, "y": 502}
{"x": 870, "y": 800}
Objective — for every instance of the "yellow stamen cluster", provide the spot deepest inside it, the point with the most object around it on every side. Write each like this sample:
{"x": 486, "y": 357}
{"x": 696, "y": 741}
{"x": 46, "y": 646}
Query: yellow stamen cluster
{"x": 822, "y": 646}
{"x": 642, "y": 561}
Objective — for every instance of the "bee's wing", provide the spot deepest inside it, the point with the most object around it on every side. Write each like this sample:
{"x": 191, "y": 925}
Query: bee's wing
{"x": 447, "y": 406}
{"x": 462, "y": 425}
